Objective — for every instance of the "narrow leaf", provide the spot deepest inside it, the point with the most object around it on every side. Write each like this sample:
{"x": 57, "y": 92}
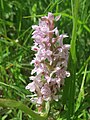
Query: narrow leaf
{"x": 21, "y": 106}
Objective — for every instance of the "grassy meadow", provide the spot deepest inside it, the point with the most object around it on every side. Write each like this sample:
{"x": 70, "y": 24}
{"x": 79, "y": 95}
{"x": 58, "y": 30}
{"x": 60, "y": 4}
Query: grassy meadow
{"x": 16, "y": 19}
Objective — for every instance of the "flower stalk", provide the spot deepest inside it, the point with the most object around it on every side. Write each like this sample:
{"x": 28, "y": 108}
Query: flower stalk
{"x": 50, "y": 62}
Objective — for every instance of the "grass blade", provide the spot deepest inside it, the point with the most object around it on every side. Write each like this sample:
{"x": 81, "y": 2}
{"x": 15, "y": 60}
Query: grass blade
{"x": 72, "y": 60}
{"x": 21, "y": 106}
{"x": 81, "y": 93}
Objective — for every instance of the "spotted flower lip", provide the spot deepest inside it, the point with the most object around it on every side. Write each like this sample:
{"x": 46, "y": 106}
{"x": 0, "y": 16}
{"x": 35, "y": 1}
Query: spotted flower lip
{"x": 50, "y": 61}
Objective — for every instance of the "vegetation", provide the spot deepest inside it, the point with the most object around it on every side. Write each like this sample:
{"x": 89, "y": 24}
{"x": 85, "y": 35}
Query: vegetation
{"x": 16, "y": 19}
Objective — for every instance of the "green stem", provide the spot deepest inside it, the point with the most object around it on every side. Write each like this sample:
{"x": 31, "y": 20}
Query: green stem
{"x": 73, "y": 59}
{"x": 75, "y": 5}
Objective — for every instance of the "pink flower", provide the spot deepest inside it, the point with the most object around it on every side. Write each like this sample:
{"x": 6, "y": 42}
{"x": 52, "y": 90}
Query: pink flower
{"x": 50, "y": 61}
{"x": 46, "y": 92}
{"x": 31, "y": 87}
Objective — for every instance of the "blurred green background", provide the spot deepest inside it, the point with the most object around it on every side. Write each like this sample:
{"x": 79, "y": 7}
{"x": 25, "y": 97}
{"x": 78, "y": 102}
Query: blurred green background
{"x": 16, "y": 19}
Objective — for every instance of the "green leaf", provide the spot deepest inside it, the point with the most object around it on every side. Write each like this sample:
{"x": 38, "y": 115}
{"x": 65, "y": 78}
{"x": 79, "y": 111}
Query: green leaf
{"x": 81, "y": 93}
{"x": 21, "y": 106}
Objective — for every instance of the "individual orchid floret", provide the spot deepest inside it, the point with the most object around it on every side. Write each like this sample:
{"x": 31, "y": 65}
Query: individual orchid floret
{"x": 50, "y": 61}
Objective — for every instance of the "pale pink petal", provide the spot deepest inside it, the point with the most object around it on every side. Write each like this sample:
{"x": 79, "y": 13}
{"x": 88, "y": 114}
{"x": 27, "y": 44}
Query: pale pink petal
{"x": 31, "y": 87}
{"x": 57, "y": 17}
